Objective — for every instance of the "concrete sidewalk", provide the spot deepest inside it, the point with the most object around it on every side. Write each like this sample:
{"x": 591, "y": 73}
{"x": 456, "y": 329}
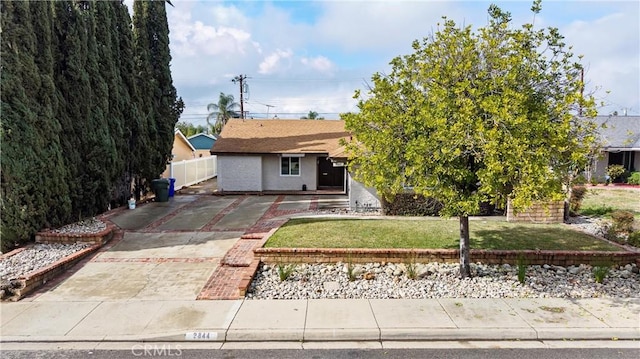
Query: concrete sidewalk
{"x": 321, "y": 320}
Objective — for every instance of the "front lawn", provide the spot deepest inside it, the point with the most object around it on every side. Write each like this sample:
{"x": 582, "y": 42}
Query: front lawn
{"x": 430, "y": 233}
{"x": 600, "y": 202}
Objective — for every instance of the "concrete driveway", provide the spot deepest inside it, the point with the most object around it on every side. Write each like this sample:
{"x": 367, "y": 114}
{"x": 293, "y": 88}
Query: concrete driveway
{"x": 169, "y": 250}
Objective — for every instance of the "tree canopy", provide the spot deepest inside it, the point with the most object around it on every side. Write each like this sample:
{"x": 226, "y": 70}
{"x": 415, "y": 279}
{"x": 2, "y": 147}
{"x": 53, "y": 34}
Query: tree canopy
{"x": 475, "y": 116}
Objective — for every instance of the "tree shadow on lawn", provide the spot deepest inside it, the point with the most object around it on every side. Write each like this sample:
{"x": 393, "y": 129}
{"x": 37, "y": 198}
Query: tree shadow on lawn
{"x": 543, "y": 237}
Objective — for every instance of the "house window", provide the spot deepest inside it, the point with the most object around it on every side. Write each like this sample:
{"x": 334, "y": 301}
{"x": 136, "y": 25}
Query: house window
{"x": 290, "y": 166}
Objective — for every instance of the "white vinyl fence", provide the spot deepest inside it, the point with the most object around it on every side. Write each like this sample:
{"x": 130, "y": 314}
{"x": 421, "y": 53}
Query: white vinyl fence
{"x": 193, "y": 171}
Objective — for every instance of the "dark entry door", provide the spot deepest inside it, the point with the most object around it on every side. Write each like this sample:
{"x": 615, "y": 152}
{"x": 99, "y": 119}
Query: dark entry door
{"x": 328, "y": 175}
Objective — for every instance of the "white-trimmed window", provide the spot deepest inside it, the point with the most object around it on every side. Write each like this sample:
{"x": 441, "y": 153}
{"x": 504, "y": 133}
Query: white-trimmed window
{"x": 290, "y": 166}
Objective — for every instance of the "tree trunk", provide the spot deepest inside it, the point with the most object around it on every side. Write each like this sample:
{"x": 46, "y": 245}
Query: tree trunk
{"x": 465, "y": 268}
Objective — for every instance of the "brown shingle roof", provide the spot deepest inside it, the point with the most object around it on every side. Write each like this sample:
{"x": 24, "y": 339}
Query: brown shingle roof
{"x": 280, "y": 136}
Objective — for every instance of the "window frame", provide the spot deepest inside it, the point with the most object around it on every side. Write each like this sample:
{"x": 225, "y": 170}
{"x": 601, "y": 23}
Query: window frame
{"x": 290, "y": 163}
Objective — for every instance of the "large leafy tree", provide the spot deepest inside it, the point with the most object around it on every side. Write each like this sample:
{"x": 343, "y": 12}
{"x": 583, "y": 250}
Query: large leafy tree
{"x": 221, "y": 112}
{"x": 474, "y": 116}
{"x": 189, "y": 129}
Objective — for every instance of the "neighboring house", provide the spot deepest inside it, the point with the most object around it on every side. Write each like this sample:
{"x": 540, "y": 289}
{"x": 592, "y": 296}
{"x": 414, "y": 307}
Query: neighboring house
{"x": 620, "y": 140}
{"x": 279, "y": 155}
{"x": 182, "y": 150}
{"x": 202, "y": 142}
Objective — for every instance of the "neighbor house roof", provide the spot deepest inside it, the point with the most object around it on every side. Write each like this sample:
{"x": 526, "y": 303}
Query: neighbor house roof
{"x": 178, "y": 133}
{"x": 279, "y": 136}
{"x": 619, "y": 133}
{"x": 202, "y": 141}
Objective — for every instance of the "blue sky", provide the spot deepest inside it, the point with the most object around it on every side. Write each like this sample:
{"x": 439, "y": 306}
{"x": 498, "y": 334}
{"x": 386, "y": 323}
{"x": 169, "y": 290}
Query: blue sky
{"x": 303, "y": 56}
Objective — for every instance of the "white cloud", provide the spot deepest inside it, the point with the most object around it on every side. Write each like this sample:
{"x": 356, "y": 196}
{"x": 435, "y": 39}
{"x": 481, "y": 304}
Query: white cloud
{"x": 314, "y": 64}
{"x": 274, "y": 61}
{"x": 319, "y": 63}
{"x": 611, "y": 58}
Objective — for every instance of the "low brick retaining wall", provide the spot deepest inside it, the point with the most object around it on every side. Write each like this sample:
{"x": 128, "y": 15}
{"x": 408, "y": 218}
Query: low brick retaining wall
{"x": 26, "y": 284}
{"x": 532, "y": 257}
{"x": 545, "y": 212}
{"x": 101, "y": 237}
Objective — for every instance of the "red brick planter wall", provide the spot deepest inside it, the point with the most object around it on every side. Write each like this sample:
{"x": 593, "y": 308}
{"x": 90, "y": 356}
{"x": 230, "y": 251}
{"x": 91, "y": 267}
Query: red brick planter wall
{"x": 69, "y": 238}
{"x": 32, "y": 281}
{"x": 532, "y": 257}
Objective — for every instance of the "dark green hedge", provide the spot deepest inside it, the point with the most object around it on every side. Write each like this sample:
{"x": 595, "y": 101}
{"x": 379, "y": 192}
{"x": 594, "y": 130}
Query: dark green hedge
{"x": 88, "y": 109}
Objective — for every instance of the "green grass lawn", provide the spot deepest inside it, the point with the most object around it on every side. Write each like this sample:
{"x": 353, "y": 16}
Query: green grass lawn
{"x": 429, "y": 233}
{"x": 601, "y": 202}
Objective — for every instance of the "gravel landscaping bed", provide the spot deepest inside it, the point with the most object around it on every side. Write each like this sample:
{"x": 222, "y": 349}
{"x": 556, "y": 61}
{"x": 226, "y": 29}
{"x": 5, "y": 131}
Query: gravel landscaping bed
{"x": 38, "y": 256}
{"x": 41, "y": 255}
{"x": 440, "y": 280}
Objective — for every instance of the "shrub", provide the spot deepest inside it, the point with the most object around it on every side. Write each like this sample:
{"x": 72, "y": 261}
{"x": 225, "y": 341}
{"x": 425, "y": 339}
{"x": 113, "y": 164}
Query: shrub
{"x": 634, "y": 239}
{"x": 622, "y": 221}
{"x": 615, "y": 171}
{"x": 600, "y": 272}
{"x": 575, "y": 201}
{"x": 410, "y": 204}
{"x": 285, "y": 270}
{"x": 634, "y": 178}
{"x": 522, "y": 269}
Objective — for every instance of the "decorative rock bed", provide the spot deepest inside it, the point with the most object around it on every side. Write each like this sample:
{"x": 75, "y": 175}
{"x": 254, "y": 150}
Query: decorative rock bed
{"x": 25, "y": 269}
{"x": 385, "y": 273}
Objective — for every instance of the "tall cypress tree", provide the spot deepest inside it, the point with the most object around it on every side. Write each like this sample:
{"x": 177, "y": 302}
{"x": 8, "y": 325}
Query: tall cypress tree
{"x": 53, "y": 170}
{"x": 151, "y": 33}
{"x": 28, "y": 151}
{"x": 87, "y": 108}
{"x": 133, "y": 125}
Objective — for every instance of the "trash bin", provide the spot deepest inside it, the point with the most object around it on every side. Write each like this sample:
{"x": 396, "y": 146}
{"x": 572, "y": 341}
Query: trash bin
{"x": 172, "y": 187}
{"x": 161, "y": 189}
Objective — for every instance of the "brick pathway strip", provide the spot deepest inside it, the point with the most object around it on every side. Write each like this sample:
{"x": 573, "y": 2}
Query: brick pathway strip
{"x": 156, "y": 260}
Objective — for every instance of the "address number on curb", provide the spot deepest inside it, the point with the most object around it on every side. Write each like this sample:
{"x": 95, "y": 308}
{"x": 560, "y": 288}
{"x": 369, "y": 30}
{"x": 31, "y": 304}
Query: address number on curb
{"x": 201, "y": 336}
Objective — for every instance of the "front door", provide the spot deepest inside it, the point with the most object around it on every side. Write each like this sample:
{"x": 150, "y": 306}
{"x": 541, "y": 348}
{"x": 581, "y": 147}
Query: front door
{"x": 329, "y": 177}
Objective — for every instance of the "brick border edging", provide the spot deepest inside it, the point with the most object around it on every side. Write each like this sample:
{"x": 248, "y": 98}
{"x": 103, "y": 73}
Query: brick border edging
{"x": 28, "y": 283}
{"x": 361, "y": 255}
{"x": 101, "y": 237}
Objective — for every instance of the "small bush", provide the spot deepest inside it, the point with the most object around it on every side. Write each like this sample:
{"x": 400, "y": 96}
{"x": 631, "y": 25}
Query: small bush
{"x": 615, "y": 171}
{"x": 411, "y": 267}
{"x": 285, "y": 270}
{"x": 634, "y": 239}
{"x": 634, "y": 178}
{"x": 411, "y": 204}
{"x": 622, "y": 221}
{"x": 522, "y": 269}
{"x": 600, "y": 272}
{"x": 575, "y": 201}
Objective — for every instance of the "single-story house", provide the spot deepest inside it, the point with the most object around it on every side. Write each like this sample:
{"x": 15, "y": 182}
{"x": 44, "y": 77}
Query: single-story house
{"x": 362, "y": 198}
{"x": 182, "y": 150}
{"x": 202, "y": 142}
{"x": 279, "y": 155}
{"x": 620, "y": 141}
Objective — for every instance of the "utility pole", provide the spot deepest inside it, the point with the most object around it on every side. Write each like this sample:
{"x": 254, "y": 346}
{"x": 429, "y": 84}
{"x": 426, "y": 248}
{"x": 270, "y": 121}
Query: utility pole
{"x": 240, "y": 79}
{"x": 268, "y": 107}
